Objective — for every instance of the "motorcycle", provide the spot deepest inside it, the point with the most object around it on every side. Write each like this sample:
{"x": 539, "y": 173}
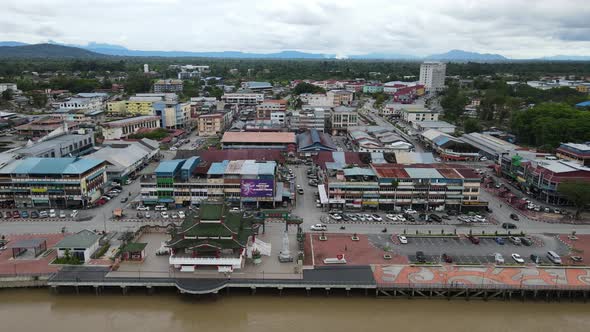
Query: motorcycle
{"x": 384, "y": 230}
{"x": 342, "y": 227}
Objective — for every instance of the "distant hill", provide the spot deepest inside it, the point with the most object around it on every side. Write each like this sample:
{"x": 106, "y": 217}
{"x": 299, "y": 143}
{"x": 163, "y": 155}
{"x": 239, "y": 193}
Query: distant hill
{"x": 567, "y": 58}
{"x": 385, "y": 56}
{"x": 47, "y": 51}
{"x": 11, "y": 43}
{"x": 459, "y": 55}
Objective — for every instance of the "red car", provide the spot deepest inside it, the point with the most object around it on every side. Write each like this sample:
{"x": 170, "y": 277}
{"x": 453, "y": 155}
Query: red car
{"x": 473, "y": 239}
{"x": 16, "y": 214}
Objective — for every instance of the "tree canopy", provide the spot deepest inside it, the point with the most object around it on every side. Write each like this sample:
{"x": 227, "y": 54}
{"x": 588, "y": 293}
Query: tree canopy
{"x": 307, "y": 88}
{"x": 551, "y": 124}
{"x": 578, "y": 193}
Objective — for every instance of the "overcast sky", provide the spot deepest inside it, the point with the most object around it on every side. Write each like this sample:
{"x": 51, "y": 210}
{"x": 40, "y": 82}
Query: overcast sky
{"x": 514, "y": 28}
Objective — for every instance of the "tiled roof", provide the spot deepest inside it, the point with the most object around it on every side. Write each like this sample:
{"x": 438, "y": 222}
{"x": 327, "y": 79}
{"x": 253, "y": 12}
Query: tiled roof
{"x": 258, "y": 137}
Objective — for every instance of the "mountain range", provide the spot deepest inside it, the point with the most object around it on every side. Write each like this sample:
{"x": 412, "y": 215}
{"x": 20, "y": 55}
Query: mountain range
{"x": 97, "y": 50}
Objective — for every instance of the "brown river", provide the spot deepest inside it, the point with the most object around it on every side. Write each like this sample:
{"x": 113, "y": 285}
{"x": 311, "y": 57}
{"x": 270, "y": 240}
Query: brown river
{"x": 39, "y": 310}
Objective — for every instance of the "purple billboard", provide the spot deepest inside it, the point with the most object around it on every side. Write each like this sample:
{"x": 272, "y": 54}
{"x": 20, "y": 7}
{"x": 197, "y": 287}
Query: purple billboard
{"x": 257, "y": 188}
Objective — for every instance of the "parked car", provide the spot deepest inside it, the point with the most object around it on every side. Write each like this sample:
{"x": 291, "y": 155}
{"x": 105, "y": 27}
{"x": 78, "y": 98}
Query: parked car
{"x": 499, "y": 240}
{"x": 52, "y": 213}
{"x": 377, "y": 217}
{"x": 514, "y": 216}
{"x": 24, "y": 214}
{"x": 181, "y": 214}
{"x": 535, "y": 259}
{"x": 34, "y": 214}
{"x": 553, "y": 257}
{"x": 335, "y": 216}
{"x": 164, "y": 214}
{"x": 319, "y": 227}
{"x": 446, "y": 258}
{"x": 435, "y": 217}
{"x": 8, "y": 214}
{"x": 402, "y": 239}
{"x": 43, "y": 214}
{"x": 420, "y": 257}
{"x": 446, "y": 217}
{"x": 498, "y": 258}
{"x": 508, "y": 225}
{"x": 411, "y": 211}
{"x": 526, "y": 241}
{"x": 124, "y": 200}
{"x": 473, "y": 239}
{"x": 74, "y": 213}
{"x": 515, "y": 240}
{"x": 517, "y": 258}
{"x": 391, "y": 217}
{"x": 62, "y": 214}
{"x": 174, "y": 215}
{"x": 15, "y": 214}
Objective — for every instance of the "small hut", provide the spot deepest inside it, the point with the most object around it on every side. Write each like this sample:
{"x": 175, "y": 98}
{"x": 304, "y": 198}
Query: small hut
{"x": 133, "y": 252}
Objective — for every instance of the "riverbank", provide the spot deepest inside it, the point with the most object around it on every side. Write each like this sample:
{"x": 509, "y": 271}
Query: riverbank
{"x": 244, "y": 313}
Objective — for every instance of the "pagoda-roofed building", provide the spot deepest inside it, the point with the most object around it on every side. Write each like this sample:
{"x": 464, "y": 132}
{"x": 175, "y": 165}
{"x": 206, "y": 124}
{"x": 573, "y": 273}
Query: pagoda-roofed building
{"x": 215, "y": 237}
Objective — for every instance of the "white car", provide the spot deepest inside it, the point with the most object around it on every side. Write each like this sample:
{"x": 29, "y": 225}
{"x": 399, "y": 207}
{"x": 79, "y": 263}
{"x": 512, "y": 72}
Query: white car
{"x": 411, "y": 211}
{"x": 74, "y": 213}
{"x": 62, "y": 214}
{"x": 52, "y": 213}
{"x": 319, "y": 227}
{"x": 391, "y": 217}
{"x": 174, "y": 216}
{"x": 368, "y": 217}
{"x": 173, "y": 148}
{"x": 377, "y": 217}
{"x": 147, "y": 215}
{"x": 234, "y": 210}
{"x": 143, "y": 208}
{"x": 402, "y": 239}
{"x": 335, "y": 216}
{"x": 164, "y": 214}
{"x": 498, "y": 258}
{"x": 517, "y": 258}
{"x": 181, "y": 214}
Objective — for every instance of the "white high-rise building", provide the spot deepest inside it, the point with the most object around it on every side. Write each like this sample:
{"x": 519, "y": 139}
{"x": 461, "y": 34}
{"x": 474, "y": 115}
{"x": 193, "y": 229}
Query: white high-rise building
{"x": 146, "y": 68}
{"x": 432, "y": 75}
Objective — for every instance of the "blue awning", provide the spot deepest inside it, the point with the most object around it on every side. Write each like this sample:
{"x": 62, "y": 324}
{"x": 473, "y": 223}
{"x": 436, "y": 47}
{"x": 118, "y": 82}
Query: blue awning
{"x": 166, "y": 200}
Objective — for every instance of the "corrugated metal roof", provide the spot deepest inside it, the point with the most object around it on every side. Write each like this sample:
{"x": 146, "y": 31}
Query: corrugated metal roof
{"x": 169, "y": 166}
{"x": 218, "y": 168}
{"x": 55, "y": 165}
{"x": 190, "y": 162}
{"x": 358, "y": 171}
{"x": 424, "y": 173}
{"x": 82, "y": 239}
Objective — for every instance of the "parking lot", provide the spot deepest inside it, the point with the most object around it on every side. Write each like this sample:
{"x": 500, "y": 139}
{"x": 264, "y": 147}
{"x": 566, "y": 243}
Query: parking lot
{"x": 462, "y": 251}
{"x": 396, "y": 218}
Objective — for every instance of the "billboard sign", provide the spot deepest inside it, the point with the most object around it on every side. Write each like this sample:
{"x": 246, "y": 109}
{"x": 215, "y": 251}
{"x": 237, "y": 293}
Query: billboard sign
{"x": 257, "y": 188}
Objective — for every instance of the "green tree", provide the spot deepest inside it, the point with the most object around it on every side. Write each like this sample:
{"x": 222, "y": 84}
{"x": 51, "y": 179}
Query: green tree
{"x": 453, "y": 102}
{"x": 39, "y": 100}
{"x": 471, "y": 125}
{"x": 7, "y": 95}
{"x": 307, "y": 88}
{"x": 578, "y": 193}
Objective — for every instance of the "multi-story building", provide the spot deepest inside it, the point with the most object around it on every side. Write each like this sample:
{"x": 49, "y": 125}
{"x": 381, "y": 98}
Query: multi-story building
{"x": 125, "y": 159}
{"x": 413, "y": 115}
{"x": 341, "y": 118}
{"x": 238, "y": 182}
{"x": 168, "y": 86}
{"x": 542, "y": 177}
{"x": 174, "y": 116}
{"x": 271, "y": 110}
{"x": 52, "y": 182}
{"x": 340, "y": 97}
{"x": 210, "y": 124}
{"x": 259, "y": 140}
{"x": 311, "y": 118}
{"x": 432, "y": 75}
{"x": 243, "y": 99}
{"x": 81, "y": 103}
{"x": 122, "y": 128}
{"x": 257, "y": 86}
{"x": 44, "y": 126}
{"x": 576, "y": 152}
{"x": 373, "y": 88}
{"x": 316, "y": 99}
{"x": 8, "y": 86}
{"x": 449, "y": 148}
{"x": 396, "y": 187}
{"x": 63, "y": 145}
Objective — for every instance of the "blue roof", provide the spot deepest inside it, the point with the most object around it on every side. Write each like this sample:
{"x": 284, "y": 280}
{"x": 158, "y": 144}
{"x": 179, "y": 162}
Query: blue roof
{"x": 169, "y": 166}
{"x": 258, "y": 85}
{"x": 218, "y": 168}
{"x": 190, "y": 162}
{"x": 56, "y": 165}
{"x": 583, "y": 104}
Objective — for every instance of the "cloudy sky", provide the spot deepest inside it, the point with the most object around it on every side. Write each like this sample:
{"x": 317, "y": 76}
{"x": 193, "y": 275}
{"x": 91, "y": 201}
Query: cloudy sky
{"x": 514, "y": 28}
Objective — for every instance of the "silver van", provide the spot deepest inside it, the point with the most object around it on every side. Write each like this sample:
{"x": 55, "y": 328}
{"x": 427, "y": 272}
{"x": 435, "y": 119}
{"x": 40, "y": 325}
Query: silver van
{"x": 553, "y": 257}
